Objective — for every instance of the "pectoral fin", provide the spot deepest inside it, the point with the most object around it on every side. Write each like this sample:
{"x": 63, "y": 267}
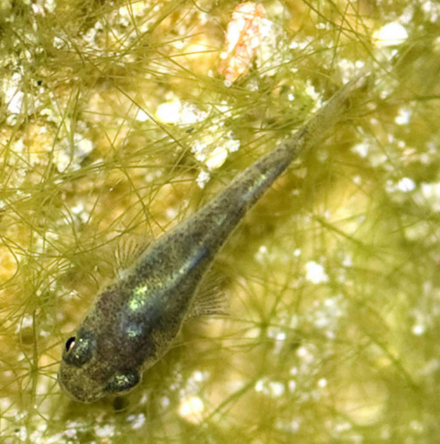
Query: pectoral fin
{"x": 211, "y": 299}
{"x": 127, "y": 252}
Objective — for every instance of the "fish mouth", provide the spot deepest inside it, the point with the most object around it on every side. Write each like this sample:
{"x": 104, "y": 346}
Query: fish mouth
{"x": 79, "y": 387}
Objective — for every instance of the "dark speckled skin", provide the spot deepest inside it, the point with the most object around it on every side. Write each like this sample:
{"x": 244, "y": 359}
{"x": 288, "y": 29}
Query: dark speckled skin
{"x": 134, "y": 321}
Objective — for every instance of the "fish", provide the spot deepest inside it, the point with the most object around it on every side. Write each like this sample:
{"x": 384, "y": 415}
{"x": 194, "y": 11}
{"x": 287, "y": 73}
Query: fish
{"x": 133, "y": 322}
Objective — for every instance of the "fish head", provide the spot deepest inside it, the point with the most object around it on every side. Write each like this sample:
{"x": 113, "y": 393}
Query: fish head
{"x": 88, "y": 372}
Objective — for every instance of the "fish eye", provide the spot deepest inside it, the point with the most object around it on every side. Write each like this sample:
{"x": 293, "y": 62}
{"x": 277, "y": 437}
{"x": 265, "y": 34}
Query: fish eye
{"x": 123, "y": 382}
{"x": 70, "y": 343}
{"x": 79, "y": 349}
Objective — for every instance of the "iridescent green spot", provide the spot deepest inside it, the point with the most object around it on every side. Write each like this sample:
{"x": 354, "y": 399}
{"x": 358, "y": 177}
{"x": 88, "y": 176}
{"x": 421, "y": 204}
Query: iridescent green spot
{"x": 133, "y": 331}
{"x": 137, "y": 300}
{"x": 140, "y": 291}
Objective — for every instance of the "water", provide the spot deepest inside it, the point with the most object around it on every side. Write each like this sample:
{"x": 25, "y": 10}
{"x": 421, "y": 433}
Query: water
{"x": 332, "y": 278}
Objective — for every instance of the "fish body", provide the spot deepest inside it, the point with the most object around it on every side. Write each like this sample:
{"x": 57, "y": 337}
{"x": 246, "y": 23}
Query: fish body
{"x": 134, "y": 320}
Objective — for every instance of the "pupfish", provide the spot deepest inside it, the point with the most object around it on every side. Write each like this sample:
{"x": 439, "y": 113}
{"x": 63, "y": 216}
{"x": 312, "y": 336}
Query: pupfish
{"x": 134, "y": 321}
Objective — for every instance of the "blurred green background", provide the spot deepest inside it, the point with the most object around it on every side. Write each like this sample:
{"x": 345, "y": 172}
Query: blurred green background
{"x": 116, "y": 122}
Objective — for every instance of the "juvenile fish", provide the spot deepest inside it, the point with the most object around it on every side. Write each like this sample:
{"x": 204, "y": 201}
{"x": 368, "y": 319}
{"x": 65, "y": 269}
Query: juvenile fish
{"x": 134, "y": 320}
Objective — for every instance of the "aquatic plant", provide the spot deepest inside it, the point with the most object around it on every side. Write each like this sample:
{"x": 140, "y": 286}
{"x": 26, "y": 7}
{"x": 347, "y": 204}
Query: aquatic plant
{"x": 116, "y": 124}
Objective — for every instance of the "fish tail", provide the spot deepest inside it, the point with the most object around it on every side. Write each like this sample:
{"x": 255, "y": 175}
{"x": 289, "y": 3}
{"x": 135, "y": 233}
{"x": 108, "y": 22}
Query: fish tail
{"x": 325, "y": 119}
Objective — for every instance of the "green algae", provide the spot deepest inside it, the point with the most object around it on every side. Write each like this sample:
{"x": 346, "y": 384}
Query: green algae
{"x": 332, "y": 278}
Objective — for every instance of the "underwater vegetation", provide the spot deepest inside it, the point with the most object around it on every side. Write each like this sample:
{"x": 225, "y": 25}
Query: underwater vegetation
{"x": 120, "y": 119}
{"x": 134, "y": 320}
